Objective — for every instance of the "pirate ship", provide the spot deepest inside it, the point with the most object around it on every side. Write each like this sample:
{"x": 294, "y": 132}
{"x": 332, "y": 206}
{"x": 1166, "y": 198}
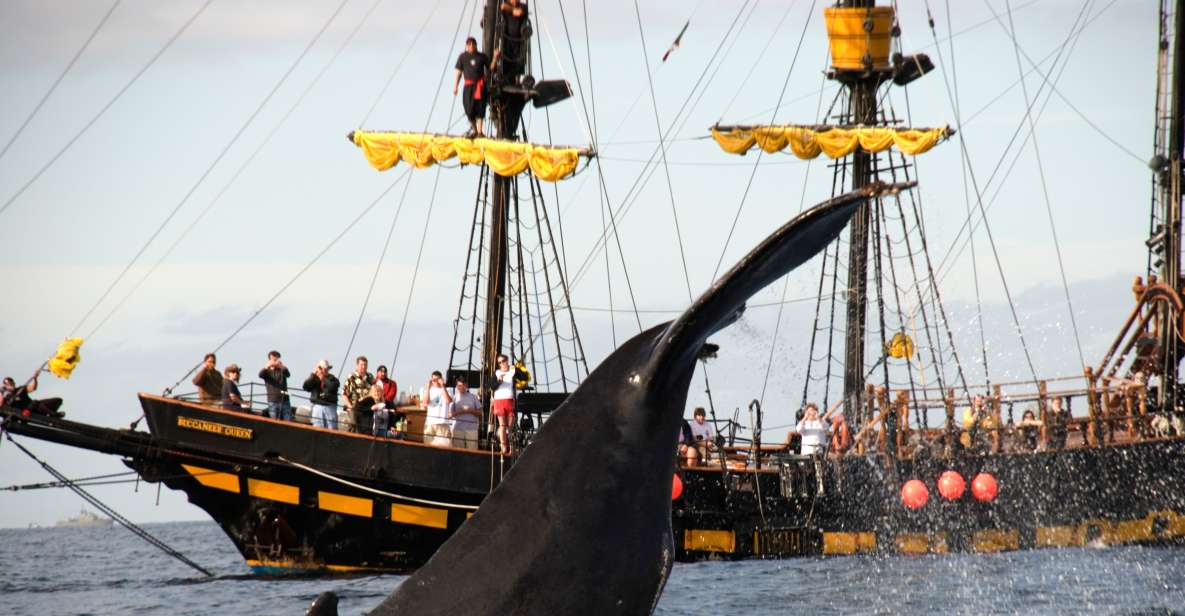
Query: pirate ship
{"x": 931, "y": 468}
{"x": 297, "y": 498}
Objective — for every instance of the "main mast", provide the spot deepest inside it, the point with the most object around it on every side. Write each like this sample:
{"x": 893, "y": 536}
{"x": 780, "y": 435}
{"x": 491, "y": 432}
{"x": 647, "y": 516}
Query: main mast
{"x": 1167, "y": 166}
{"x": 505, "y": 114}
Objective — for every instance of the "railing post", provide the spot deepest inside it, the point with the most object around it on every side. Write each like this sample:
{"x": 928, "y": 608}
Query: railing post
{"x": 902, "y": 420}
{"x": 1092, "y": 407}
{"x": 996, "y": 440}
{"x": 1129, "y": 407}
{"x": 1043, "y": 411}
{"x": 949, "y": 402}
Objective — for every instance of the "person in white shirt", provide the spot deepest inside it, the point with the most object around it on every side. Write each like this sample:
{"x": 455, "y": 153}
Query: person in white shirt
{"x": 465, "y": 413}
{"x": 814, "y": 431}
{"x": 504, "y": 401}
{"x": 437, "y": 401}
{"x": 701, "y": 432}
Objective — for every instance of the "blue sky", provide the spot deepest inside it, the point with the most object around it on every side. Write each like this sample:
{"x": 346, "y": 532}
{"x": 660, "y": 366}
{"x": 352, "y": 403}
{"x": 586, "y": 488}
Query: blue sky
{"x": 72, "y": 232}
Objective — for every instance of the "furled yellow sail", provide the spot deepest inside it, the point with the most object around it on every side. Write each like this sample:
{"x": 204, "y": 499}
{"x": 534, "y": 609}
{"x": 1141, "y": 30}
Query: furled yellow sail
{"x": 66, "y": 359}
{"x": 384, "y": 150}
{"x": 900, "y": 347}
{"x": 835, "y": 142}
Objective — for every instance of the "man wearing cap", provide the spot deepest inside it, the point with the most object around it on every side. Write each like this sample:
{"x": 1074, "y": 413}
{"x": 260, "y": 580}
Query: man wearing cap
{"x": 231, "y": 398}
{"x": 322, "y": 387}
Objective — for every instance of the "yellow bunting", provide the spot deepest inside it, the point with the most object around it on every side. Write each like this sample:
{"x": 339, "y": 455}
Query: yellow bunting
{"x": 806, "y": 143}
{"x": 506, "y": 158}
{"x": 66, "y": 359}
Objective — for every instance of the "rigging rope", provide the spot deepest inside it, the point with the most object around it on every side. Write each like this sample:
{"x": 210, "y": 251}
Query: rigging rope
{"x": 358, "y": 486}
{"x": 103, "y": 110}
{"x": 234, "y": 139}
{"x": 435, "y": 182}
{"x": 53, "y": 87}
{"x": 111, "y": 513}
{"x": 1057, "y": 248}
{"x": 753, "y": 174}
{"x": 399, "y": 64}
{"x": 291, "y": 281}
{"x": 238, "y": 172}
{"x": 662, "y": 148}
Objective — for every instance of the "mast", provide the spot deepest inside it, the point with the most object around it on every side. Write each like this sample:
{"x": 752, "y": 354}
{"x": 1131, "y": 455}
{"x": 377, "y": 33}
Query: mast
{"x": 506, "y": 107}
{"x": 862, "y": 84}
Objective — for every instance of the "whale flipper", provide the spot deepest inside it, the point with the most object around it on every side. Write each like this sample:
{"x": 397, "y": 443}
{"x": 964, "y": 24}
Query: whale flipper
{"x": 582, "y": 522}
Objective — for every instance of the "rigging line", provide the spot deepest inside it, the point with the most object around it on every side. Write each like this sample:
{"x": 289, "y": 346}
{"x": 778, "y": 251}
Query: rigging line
{"x": 398, "y": 65}
{"x": 53, "y": 159}
{"x": 1041, "y": 173}
{"x": 602, "y": 197}
{"x": 752, "y": 68}
{"x": 1070, "y": 42}
{"x": 111, "y": 513}
{"x": 435, "y": 184}
{"x": 963, "y": 168}
{"x": 753, "y": 174}
{"x": 357, "y": 219}
{"x": 987, "y": 227}
{"x": 358, "y": 486}
{"x": 662, "y": 149}
{"x": 233, "y": 140}
{"x": 633, "y": 193}
{"x": 53, "y": 87}
{"x": 239, "y": 172}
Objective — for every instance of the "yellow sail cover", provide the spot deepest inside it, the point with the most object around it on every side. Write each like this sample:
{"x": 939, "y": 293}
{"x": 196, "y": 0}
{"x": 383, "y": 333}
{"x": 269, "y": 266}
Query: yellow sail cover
{"x": 63, "y": 362}
{"x": 834, "y": 142}
{"x": 384, "y": 150}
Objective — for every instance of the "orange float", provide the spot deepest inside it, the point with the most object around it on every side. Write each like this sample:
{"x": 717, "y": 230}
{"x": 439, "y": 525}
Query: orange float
{"x": 984, "y": 487}
{"x": 951, "y": 485}
{"x": 914, "y": 494}
{"x": 676, "y": 487}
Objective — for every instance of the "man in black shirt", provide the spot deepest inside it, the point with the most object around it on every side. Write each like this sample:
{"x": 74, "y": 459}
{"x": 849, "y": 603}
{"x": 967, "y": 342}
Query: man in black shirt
{"x": 472, "y": 65}
{"x": 18, "y": 398}
{"x": 275, "y": 375}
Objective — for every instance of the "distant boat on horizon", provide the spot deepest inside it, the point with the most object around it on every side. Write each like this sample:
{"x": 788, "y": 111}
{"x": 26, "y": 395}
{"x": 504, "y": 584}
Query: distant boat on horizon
{"x": 84, "y": 519}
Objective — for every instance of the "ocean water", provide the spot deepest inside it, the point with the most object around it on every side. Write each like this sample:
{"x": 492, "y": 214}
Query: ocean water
{"x": 110, "y": 571}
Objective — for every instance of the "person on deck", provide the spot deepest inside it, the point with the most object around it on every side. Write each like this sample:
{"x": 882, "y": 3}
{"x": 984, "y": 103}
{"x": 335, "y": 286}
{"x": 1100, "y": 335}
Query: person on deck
{"x": 275, "y": 376}
{"x": 378, "y": 409}
{"x": 208, "y": 381}
{"x": 395, "y": 420}
{"x": 1030, "y": 430}
{"x": 231, "y": 398}
{"x": 322, "y": 387}
{"x": 472, "y": 65}
{"x": 841, "y": 438}
{"x": 465, "y": 413}
{"x": 701, "y": 433}
{"x": 1058, "y": 424}
{"x": 390, "y": 387}
{"x": 814, "y": 431}
{"x": 686, "y": 450}
{"x": 504, "y": 402}
{"x": 356, "y": 388}
{"x": 437, "y": 429}
{"x": 18, "y": 398}
{"x": 514, "y": 16}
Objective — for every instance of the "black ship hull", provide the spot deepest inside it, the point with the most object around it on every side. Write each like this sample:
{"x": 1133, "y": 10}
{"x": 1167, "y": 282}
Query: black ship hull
{"x": 1114, "y": 495}
{"x": 299, "y": 499}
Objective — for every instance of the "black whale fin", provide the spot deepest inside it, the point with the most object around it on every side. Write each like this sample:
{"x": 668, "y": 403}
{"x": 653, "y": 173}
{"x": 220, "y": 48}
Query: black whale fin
{"x": 582, "y": 523}
{"x": 324, "y": 605}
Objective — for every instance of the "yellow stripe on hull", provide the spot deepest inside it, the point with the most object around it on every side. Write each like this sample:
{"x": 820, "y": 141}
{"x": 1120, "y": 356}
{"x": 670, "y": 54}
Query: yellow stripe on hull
{"x": 709, "y": 540}
{"x": 213, "y": 479}
{"x": 273, "y": 491}
{"x": 420, "y": 516}
{"x": 350, "y": 505}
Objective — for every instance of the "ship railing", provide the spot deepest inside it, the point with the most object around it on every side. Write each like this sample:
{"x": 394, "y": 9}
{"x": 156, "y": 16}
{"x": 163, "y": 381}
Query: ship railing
{"x": 255, "y": 395}
{"x": 1096, "y": 413}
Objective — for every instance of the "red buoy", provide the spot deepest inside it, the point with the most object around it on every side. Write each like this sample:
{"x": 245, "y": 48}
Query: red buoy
{"x": 951, "y": 485}
{"x": 984, "y": 487}
{"x": 676, "y": 487}
{"x": 914, "y": 494}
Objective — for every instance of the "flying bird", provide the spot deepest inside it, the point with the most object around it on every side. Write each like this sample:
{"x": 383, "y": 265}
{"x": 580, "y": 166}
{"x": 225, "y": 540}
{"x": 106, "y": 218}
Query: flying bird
{"x": 678, "y": 40}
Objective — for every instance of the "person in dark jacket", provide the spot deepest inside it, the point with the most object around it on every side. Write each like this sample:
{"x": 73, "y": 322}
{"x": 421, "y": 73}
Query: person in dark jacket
{"x": 232, "y": 400}
{"x": 322, "y": 387}
{"x": 275, "y": 375}
{"x": 18, "y": 398}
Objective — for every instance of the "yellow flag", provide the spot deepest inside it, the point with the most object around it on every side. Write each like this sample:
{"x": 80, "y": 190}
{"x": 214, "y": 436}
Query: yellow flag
{"x": 63, "y": 363}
